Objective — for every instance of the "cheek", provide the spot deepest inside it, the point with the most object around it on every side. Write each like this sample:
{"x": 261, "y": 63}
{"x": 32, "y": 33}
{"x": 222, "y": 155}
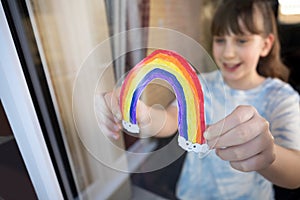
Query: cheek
{"x": 254, "y": 51}
{"x": 216, "y": 51}
{"x": 215, "y": 48}
{"x": 251, "y": 56}
{"x": 217, "y": 56}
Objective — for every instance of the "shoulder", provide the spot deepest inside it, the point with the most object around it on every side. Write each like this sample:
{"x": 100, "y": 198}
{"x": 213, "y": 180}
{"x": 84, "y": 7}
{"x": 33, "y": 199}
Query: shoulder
{"x": 281, "y": 98}
{"x": 211, "y": 78}
{"x": 283, "y": 113}
{"x": 278, "y": 88}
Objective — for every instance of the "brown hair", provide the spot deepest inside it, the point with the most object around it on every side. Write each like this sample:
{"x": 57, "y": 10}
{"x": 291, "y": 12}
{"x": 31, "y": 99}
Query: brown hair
{"x": 227, "y": 18}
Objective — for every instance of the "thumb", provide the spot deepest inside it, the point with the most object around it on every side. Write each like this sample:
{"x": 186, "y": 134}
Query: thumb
{"x": 112, "y": 101}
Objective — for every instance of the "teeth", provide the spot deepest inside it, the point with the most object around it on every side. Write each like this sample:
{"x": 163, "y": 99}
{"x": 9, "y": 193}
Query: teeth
{"x": 231, "y": 65}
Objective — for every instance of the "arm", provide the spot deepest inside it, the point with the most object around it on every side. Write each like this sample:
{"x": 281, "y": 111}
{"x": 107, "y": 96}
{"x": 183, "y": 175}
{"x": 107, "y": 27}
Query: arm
{"x": 157, "y": 121}
{"x": 244, "y": 139}
{"x": 153, "y": 121}
{"x": 285, "y": 116}
{"x": 284, "y": 171}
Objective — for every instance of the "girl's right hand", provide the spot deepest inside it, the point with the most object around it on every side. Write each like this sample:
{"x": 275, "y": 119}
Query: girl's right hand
{"x": 110, "y": 117}
{"x": 109, "y": 114}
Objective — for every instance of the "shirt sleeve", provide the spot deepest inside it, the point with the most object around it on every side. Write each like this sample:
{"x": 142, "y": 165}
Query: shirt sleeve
{"x": 285, "y": 120}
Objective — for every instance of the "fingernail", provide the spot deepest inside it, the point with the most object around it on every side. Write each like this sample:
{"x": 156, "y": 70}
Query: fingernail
{"x": 205, "y": 134}
{"x": 116, "y": 119}
{"x": 116, "y": 136}
{"x": 120, "y": 126}
{"x": 116, "y": 127}
{"x": 119, "y": 116}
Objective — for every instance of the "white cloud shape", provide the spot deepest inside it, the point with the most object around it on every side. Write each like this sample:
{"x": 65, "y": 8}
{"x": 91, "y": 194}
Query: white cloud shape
{"x": 189, "y": 146}
{"x": 132, "y": 128}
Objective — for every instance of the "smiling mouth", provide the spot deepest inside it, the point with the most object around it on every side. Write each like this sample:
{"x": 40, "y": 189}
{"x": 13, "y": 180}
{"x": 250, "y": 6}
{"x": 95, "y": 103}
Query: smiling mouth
{"x": 231, "y": 67}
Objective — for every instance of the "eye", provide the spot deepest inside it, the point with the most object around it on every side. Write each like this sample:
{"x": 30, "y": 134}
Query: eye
{"x": 194, "y": 146}
{"x": 219, "y": 40}
{"x": 242, "y": 41}
{"x": 187, "y": 144}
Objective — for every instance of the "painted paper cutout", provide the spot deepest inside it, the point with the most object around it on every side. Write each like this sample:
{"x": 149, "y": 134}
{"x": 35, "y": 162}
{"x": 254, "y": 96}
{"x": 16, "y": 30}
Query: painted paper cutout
{"x": 174, "y": 69}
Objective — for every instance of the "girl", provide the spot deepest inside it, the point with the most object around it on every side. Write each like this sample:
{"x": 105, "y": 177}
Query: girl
{"x": 256, "y": 141}
{"x": 261, "y": 137}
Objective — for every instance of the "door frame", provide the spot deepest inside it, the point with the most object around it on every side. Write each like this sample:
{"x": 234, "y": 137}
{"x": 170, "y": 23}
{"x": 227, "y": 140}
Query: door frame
{"x": 22, "y": 116}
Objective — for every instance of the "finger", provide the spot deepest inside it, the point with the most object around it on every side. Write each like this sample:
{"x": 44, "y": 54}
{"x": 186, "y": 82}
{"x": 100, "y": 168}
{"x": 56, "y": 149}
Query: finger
{"x": 107, "y": 123}
{"x": 113, "y": 133}
{"x": 100, "y": 103}
{"x": 245, "y": 151}
{"x": 117, "y": 109}
{"x": 107, "y": 119}
{"x": 110, "y": 123}
{"x": 116, "y": 98}
{"x": 242, "y": 133}
{"x": 240, "y": 115}
{"x": 112, "y": 101}
{"x": 102, "y": 111}
{"x": 255, "y": 163}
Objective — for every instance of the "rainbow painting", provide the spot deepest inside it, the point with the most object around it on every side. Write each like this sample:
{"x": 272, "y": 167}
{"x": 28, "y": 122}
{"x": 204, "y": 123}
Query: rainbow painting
{"x": 176, "y": 71}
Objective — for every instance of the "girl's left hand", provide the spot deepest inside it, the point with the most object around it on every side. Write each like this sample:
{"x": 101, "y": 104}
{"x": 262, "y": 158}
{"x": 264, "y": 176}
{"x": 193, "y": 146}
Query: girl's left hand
{"x": 243, "y": 138}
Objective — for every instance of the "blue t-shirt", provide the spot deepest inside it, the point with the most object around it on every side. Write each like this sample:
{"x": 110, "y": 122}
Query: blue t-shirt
{"x": 212, "y": 178}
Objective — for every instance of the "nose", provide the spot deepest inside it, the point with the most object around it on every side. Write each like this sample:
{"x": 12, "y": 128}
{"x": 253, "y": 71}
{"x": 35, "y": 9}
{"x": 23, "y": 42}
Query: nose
{"x": 229, "y": 50}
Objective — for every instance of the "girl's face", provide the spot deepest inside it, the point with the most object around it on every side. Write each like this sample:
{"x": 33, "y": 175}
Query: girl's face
{"x": 238, "y": 56}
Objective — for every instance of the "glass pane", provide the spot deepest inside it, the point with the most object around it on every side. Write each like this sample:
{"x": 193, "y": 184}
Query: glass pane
{"x": 86, "y": 48}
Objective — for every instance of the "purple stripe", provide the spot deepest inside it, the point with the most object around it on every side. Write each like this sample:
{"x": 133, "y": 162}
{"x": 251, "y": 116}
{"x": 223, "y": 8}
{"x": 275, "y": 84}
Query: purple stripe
{"x": 172, "y": 80}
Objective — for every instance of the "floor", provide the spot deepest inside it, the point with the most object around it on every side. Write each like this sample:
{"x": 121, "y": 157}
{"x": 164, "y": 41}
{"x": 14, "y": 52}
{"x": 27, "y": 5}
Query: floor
{"x": 139, "y": 193}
